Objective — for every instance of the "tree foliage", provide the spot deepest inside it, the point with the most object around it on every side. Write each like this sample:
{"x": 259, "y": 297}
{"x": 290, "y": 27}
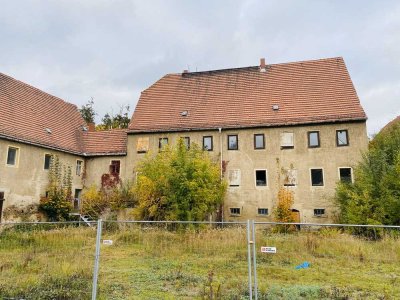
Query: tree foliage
{"x": 374, "y": 198}
{"x": 178, "y": 184}
{"x": 283, "y": 210}
{"x": 87, "y": 111}
{"x": 57, "y": 205}
{"x": 119, "y": 120}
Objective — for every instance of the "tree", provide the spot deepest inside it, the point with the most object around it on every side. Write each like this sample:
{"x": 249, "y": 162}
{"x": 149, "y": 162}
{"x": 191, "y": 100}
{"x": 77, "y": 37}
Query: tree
{"x": 178, "y": 184}
{"x": 283, "y": 210}
{"x": 87, "y": 111}
{"x": 120, "y": 120}
{"x": 57, "y": 204}
{"x": 374, "y": 198}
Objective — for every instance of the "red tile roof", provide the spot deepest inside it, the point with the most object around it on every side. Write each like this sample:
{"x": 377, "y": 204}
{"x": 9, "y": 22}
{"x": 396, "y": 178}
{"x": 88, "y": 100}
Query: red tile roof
{"x": 106, "y": 142}
{"x": 32, "y": 116}
{"x": 306, "y": 92}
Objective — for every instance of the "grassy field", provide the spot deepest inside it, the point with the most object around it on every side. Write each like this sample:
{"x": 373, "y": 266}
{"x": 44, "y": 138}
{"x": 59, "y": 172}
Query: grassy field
{"x": 156, "y": 263}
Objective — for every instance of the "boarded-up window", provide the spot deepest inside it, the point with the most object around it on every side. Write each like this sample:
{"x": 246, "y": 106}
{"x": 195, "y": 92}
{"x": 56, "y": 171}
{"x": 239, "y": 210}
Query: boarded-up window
{"x": 287, "y": 140}
{"x": 142, "y": 145}
{"x": 234, "y": 177}
{"x": 115, "y": 167}
{"x": 290, "y": 177}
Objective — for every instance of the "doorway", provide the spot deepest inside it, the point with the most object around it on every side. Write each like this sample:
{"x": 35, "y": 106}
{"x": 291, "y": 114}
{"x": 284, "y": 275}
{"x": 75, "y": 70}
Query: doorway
{"x": 1, "y": 204}
{"x": 77, "y": 199}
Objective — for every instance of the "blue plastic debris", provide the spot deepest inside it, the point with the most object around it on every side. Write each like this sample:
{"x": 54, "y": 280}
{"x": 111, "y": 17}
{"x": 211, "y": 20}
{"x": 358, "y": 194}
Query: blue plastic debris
{"x": 304, "y": 265}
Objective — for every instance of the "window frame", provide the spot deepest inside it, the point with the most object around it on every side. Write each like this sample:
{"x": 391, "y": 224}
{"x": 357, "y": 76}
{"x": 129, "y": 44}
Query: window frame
{"x": 309, "y": 139}
{"x": 186, "y": 141}
{"x": 80, "y": 167}
{"x": 160, "y": 145}
{"x": 212, "y": 142}
{"x": 347, "y": 138}
{"x": 112, "y": 165}
{"x": 281, "y": 140}
{"x": 319, "y": 215}
{"x": 311, "y": 177}
{"x": 235, "y": 214}
{"x": 16, "y": 159}
{"x": 148, "y": 144}
{"x": 255, "y": 141}
{"x": 262, "y": 208}
{"x": 240, "y": 178}
{"x": 351, "y": 174}
{"x": 237, "y": 142}
{"x": 45, "y": 156}
{"x": 266, "y": 178}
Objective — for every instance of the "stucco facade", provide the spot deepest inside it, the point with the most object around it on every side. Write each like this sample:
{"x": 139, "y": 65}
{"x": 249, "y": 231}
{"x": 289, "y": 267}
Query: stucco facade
{"x": 275, "y": 160}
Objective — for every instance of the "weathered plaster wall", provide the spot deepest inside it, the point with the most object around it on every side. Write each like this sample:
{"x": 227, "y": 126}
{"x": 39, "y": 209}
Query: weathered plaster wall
{"x": 247, "y": 196}
{"x": 24, "y": 183}
{"x": 97, "y": 166}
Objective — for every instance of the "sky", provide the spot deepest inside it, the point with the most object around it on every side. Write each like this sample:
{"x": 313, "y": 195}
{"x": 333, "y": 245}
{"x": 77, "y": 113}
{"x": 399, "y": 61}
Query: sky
{"x": 112, "y": 50}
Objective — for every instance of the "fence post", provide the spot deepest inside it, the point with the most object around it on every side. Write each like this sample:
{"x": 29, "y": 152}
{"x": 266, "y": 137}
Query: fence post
{"x": 96, "y": 259}
{"x": 254, "y": 261}
{"x": 249, "y": 258}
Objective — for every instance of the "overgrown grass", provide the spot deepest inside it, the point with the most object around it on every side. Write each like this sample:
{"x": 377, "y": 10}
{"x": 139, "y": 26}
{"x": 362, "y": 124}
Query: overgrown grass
{"x": 163, "y": 263}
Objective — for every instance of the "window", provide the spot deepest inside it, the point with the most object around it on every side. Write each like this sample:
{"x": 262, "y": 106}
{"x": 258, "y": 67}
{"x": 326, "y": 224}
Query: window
{"x": 162, "y": 142}
{"x": 12, "y": 156}
{"x": 208, "y": 143}
{"x": 342, "y": 138}
{"x": 1, "y": 196}
{"x": 79, "y": 164}
{"x": 47, "y": 159}
{"x": 233, "y": 142}
{"x": 261, "y": 178}
{"x": 317, "y": 177}
{"x": 262, "y": 211}
{"x": 313, "y": 139}
{"x": 186, "y": 141}
{"x": 319, "y": 212}
{"x": 345, "y": 175}
{"x": 287, "y": 140}
{"x": 115, "y": 167}
{"x": 259, "y": 142}
{"x": 235, "y": 211}
{"x": 234, "y": 177}
{"x": 142, "y": 145}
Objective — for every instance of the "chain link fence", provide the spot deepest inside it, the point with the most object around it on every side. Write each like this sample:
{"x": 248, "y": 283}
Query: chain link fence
{"x": 198, "y": 260}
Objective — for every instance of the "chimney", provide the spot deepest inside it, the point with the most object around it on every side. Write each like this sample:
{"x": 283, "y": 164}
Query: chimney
{"x": 92, "y": 127}
{"x": 262, "y": 65}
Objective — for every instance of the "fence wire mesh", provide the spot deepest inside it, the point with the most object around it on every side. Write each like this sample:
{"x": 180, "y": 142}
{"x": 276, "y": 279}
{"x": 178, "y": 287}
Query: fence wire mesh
{"x": 46, "y": 260}
{"x": 198, "y": 260}
{"x": 327, "y": 261}
{"x": 173, "y": 260}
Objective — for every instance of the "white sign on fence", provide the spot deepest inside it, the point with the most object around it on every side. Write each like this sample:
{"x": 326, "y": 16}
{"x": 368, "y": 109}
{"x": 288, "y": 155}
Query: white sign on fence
{"x": 107, "y": 242}
{"x": 268, "y": 249}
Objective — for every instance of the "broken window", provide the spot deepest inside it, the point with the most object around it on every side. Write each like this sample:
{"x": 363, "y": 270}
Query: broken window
{"x": 208, "y": 143}
{"x": 235, "y": 211}
{"x": 313, "y": 139}
{"x": 234, "y": 177}
{"x": 162, "y": 142}
{"x": 115, "y": 167}
{"x": 142, "y": 145}
{"x": 232, "y": 142}
{"x": 287, "y": 140}
{"x": 342, "y": 138}
{"x": 47, "y": 159}
{"x": 259, "y": 142}
{"x": 290, "y": 177}
{"x": 78, "y": 169}
{"x": 12, "y": 156}
{"x": 345, "y": 175}
{"x": 261, "y": 177}
{"x": 317, "y": 177}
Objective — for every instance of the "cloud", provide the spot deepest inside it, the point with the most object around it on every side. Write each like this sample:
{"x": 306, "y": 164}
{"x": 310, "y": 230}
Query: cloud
{"x": 112, "y": 50}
